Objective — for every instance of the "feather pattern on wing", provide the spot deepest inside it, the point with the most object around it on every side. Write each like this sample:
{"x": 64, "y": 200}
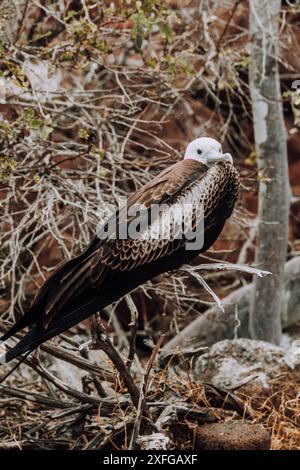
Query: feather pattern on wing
{"x": 187, "y": 183}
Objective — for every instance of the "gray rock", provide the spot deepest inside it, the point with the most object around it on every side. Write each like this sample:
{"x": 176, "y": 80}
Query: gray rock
{"x": 233, "y": 363}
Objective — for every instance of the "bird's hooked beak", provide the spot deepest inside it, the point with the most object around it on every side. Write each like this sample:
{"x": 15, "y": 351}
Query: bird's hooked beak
{"x": 214, "y": 156}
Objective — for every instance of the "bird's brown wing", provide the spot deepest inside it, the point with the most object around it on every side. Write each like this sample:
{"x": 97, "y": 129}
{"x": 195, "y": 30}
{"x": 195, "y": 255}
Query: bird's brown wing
{"x": 104, "y": 255}
{"x": 212, "y": 194}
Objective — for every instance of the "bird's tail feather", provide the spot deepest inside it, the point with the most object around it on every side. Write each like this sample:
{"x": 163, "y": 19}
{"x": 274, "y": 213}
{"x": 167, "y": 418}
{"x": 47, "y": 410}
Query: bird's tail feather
{"x": 15, "y": 367}
{"x": 38, "y": 334}
{"x": 26, "y": 320}
{"x": 35, "y": 311}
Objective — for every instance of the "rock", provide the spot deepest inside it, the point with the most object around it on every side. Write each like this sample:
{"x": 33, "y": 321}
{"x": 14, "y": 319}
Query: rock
{"x": 154, "y": 441}
{"x": 73, "y": 375}
{"x": 292, "y": 357}
{"x": 68, "y": 373}
{"x": 232, "y": 435}
{"x": 245, "y": 363}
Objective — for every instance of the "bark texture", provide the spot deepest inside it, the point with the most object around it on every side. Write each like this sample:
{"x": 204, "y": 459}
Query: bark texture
{"x": 271, "y": 151}
{"x": 11, "y": 15}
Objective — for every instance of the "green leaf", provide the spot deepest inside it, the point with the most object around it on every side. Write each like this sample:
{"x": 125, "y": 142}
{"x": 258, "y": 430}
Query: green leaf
{"x": 83, "y": 134}
{"x": 39, "y": 36}
{"x": 140, "y": 25}
{"x": 139, "y": 40}
{"x": 70, "y": 14}
{"x": 296, "y": 99}
{"x": 101, "y": 154}
{"x": 166, "y": 32}
{"x": 151, "y": 62}
{"x": 45, "y": 131}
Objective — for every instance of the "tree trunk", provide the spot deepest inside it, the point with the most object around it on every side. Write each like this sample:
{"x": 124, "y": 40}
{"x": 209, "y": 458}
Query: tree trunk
{"x": 11, "y": 15}
{"x": 271, "y": 151}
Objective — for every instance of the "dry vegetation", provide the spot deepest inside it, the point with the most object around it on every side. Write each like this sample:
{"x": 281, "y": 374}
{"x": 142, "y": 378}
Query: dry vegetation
{"x": 42, "y": 417}
{"x": 97, "y": 99}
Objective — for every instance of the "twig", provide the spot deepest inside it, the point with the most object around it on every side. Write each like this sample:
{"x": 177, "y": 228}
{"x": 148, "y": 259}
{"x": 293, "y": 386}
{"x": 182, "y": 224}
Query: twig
{"x": 143, "y": 392}
{"x": 107, "y": 405}
{"x": 134, "y": 329}
{"x": 102, "y": 371}
{"x": 33, "y": 396}
{"x": 104, "y": 343}
{"x": 228, "y": 23}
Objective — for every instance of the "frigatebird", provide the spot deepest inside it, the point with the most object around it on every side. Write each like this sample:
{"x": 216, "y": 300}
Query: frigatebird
{"x": 204, "y": 185}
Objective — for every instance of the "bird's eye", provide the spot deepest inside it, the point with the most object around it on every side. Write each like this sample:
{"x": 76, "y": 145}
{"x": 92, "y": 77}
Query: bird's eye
{"x": 199, "y": 151}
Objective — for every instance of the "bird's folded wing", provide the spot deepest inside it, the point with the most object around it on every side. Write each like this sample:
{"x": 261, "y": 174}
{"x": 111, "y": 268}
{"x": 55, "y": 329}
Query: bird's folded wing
{"x": 106, "y": 254}
{"x": 186, "y": 181}
{"x": 187, "y": 196}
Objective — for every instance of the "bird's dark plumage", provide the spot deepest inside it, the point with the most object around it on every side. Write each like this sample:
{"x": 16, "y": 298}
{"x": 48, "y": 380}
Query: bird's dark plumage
{"x": 110, "y": 268}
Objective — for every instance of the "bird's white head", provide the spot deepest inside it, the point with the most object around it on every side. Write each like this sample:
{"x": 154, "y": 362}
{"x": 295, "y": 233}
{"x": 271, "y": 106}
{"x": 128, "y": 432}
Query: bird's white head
{"x": 207, "y": 150}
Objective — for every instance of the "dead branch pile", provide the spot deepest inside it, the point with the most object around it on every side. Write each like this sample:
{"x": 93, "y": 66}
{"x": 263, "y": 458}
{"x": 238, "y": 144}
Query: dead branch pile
{"x": 40, "y": 410}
